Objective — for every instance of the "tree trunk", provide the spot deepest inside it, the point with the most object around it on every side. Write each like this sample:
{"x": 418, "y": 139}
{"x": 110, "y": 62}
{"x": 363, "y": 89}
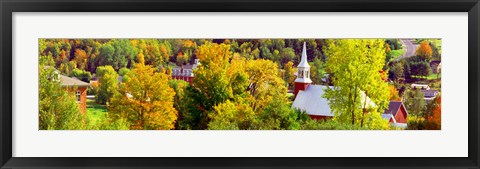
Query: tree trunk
{"x": 364, "y": 109}
{"x": 353, "y": 105}
{"x": 363, "y": 116}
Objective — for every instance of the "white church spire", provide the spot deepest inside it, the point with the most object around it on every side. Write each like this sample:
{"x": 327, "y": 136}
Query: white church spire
{"x": 303, "y": 74}
{"x": 303, "y": 61}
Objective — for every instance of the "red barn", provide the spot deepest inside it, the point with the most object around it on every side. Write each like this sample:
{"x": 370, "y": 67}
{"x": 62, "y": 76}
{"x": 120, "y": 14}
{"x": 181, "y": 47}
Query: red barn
{"x": 396, "y": 113}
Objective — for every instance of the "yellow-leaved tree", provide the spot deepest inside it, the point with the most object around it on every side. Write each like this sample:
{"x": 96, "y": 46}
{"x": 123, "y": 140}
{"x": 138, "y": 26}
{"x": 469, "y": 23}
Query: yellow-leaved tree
{"x": 145, "y": 99}
{"x": 359, "y": 94}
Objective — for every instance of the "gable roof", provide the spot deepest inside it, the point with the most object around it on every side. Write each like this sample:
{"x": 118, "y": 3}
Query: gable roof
{"x": 393, "y": 107}
{"x": 66, "y": 81}
{"x": 429, "y": 93}
{"x": 312, "y": 102}
{"x": 435, "y": 62}
{"x": 388, "y": 117}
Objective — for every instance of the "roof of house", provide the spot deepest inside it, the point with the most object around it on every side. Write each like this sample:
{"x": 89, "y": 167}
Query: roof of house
{"x": 184, "y": 70}
{"x": 187, "y": 67}
{"x": 429, "y": 93}
{"x": 71, "y": 82}
{"x": 419, "y": 85}
{"x": 312, "y": 102}
{"x": 435, "y": 62}
{"x": 400, "y": 125}
{"x": 388, "y": 117}
{"x": 393, "y": 107}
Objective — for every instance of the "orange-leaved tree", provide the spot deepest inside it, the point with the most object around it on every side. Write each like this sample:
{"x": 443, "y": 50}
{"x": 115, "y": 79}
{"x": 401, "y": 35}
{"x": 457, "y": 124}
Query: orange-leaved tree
{"x": 424, "y": 50}
{"x": 81, "y": 59}
{"x": 436, "y": 116}
{"x": 394, "y": 93}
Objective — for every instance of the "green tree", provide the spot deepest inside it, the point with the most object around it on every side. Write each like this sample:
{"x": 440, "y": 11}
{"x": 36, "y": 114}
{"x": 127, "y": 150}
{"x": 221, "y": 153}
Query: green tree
{"x": 42, "y": 46}
{"x": 436, "y": 51}
{"x": 231, "y": 116}
{"x": 211, "y": 80}
{"x": 145, "y": 100}
{"x": 67, "y": 68}
{"x": 188, "y": 116}
{"x": 396, "y": 71}
{"x": 106, "y": 55}
{"x": 415, "y": 102}
{"x": 278, "y": 115}
{"x": 108, "y": 84}
{"x": 124, "y": 54}
{"x": 46, "y": 61}
{"x": 82, "y": 75}
{"x": 123, "y": 71}
{"x": 58, "y": 109}
{"x": 316, "y": 71}
{"x": 246, "y": 50}
{"x": 421, "y": 68}
{"x": 355, "y": 65}
{"x": 265, "y": 52}
{"x": 286, "y": 55}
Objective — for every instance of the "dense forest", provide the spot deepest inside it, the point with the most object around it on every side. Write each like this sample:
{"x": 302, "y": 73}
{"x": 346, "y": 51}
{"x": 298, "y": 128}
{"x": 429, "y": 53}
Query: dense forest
{"x": 240, "y": 83}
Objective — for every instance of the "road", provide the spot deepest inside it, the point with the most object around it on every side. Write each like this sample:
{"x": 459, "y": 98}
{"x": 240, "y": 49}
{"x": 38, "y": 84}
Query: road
{"x": 409, "y": 47}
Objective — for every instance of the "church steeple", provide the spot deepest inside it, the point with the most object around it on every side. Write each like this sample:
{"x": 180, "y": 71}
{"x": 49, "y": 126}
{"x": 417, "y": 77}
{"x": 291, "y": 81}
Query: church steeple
{"x": 303, "y": 74}
{"x": 303, "y": 68}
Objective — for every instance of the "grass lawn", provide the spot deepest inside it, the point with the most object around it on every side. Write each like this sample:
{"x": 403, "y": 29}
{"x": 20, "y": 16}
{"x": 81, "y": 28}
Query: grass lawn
{"x": 432, "y": 76}
{"x": 95, "y": 112}
{"x": 396, "y": 53}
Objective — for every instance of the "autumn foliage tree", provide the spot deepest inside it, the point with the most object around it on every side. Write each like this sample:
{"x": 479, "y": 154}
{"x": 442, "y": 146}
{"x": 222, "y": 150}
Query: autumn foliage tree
{"x": 435, "y": 108}
{"x": 394, "y": 93}
{"x": 146, "y": 100}
{"x": 288, "y": 75}
{"x": 211, "y": 79}
{"x": 424, "y": 50}
{"x": 81, "y": 59}
{"x": 231, "y": 115}
{"x": 234, "y": 92}
{"x": 265, "y": 83}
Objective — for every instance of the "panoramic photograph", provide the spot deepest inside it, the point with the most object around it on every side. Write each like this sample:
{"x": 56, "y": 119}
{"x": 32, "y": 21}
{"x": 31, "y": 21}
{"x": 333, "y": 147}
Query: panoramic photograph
{"x": 239, "y": 84}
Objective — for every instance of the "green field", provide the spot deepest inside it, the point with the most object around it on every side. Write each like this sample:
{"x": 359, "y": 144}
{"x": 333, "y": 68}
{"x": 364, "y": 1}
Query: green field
{"x": 432, "y": 76}
{"x": 95, "y": 113}
{"x": 396, "y": 53}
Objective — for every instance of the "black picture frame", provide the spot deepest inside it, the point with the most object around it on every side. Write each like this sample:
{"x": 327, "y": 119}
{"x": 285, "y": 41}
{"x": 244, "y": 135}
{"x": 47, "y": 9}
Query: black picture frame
{"x": 7, "y": 7}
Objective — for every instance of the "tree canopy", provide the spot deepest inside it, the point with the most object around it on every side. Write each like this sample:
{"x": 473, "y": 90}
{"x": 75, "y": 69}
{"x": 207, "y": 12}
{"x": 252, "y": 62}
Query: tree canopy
{"x": 146, "y": 100}
{"x": 356, "y": 65}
